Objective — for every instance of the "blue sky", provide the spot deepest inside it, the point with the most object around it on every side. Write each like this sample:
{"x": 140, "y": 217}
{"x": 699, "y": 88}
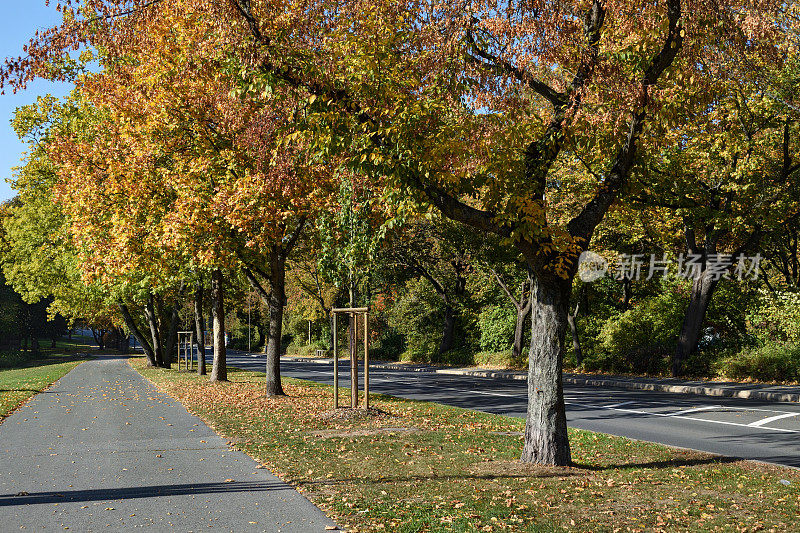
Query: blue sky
{"x": 19, "y": 20}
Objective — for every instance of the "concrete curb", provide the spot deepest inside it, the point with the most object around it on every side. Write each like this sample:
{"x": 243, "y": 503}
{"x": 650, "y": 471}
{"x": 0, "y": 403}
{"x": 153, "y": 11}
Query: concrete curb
{"x": 697, "y": 388}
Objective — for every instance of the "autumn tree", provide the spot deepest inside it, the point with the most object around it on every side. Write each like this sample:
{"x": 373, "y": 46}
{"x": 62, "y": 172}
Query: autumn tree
{"x": 727, "y": 180}
{"x": 472, "y": 107}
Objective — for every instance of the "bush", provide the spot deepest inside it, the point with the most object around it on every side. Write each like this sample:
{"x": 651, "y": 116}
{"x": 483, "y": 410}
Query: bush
{"x": 641, "y": 338}
{"x": 765, "y": 363}
{"x": 776, "y": 317}
{"x": 496, "y": 325}
{"x": 14, "y": 359}
{"x": 306, "y": 350}
{"x": 418, "y": 316}
{"x": 502, "y": 359}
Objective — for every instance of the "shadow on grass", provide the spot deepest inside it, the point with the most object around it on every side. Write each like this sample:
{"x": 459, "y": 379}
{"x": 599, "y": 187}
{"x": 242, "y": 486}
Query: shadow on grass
{"x": 129, "y": 493}
{"x": 44, "y": 361}
{"x": 673, "y": 463}
{"x": 37, "y": 391}
{"x": 527, "y": 471}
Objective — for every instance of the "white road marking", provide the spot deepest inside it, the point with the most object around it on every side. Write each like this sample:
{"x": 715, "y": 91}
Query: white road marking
{"x": 760, "y": 423}
{"x": 618, "y": 404}
{"x": 487, "y": 393}
{"x": 649, "y": 413}
{"x": 695, "y": 410}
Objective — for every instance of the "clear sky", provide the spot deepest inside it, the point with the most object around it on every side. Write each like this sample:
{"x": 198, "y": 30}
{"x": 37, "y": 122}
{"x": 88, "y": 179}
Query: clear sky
{"x": 19, "y": 20}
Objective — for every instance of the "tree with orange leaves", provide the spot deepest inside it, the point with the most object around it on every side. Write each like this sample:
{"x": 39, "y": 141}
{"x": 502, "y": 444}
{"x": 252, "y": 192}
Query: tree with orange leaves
{"x": 476, "y": 108}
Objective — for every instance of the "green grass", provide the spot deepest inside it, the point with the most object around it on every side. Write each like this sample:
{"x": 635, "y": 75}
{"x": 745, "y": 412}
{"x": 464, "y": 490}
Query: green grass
{"x": 25, "y": 377}
{"x": 428, "y": 467}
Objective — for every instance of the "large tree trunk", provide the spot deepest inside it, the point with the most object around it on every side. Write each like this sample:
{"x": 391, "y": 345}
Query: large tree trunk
{"x": 576, "y": 340}
{"x": 519, "y": 329}
{"x": 98, "y": 338}
{"x": 121, "y": 340}
{"x": 155, "y": 335}
{"x": 702, "y": 290}
{"x": 546, "y": 438}
{"x": 277, "y": 301}
{"x": 139, "y": 335}
{"x": 329, "y": 317}
{"x": 199, "y": 329}
{"x": 448, "y": 331}
{"x": 172, "y": 335}
{"x": 627, "y": 292}
{"x": 523, "y": 307}
{"x": 219, "y": 370}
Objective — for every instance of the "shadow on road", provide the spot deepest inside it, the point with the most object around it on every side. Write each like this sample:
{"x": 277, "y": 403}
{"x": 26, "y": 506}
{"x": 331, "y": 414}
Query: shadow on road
{"x": 139, "y": 492}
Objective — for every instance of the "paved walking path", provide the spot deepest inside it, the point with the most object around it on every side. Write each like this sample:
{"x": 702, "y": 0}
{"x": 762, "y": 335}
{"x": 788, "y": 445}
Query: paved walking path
{"x": 103, "y": 450}
{"x": 726, "y": 389}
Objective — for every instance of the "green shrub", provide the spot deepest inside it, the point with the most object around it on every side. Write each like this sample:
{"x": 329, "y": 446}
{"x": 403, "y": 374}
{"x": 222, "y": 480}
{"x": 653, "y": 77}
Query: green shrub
{"x": 770, "y": 362}
{"x": 641, "y": 338}
{"x": 502, "y": 359}
{"x": 14, "y": 359}
{"x": 496, "y": 325}
{"x": 306, "y": 350}
{"x": 389, "y": 346}
{"x": 776, "y": 317}
{"x": 418, "y": 316}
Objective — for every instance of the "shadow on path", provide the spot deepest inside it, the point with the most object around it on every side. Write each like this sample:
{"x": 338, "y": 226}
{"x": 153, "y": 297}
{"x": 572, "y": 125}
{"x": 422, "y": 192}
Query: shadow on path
{"x": 139, "y": 492}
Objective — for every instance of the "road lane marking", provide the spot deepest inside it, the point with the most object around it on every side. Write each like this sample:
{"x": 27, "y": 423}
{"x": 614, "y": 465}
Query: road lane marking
{"x": 648, "y": 413}
{"x": 618, "y": 404}
{"x": 760, "y": 423}
{"x": 695, "y": 410}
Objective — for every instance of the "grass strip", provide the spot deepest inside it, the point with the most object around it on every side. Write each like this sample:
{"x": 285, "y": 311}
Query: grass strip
{"x": 19, "y": 383}
{"x": 427, "y": 467}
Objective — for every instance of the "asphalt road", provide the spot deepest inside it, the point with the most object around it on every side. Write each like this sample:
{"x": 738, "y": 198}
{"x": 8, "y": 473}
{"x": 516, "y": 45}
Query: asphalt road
{"x": 749, "y": 429}
{"x": 103, "y": 450}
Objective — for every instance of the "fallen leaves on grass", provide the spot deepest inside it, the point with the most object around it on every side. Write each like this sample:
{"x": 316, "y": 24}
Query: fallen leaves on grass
{"x": 427, "y": 467}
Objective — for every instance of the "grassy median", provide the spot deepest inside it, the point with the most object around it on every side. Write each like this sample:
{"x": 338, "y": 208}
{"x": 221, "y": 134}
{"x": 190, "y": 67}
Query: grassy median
{"x": 29, "y": 377}
{"x": 426, "y": 467}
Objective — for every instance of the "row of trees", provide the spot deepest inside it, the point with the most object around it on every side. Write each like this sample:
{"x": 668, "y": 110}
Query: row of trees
{"x": 212, "y": 140}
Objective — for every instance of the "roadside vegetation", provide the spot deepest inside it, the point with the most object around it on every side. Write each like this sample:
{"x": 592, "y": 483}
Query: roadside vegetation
{"x": 417, "y": 466}
{"x": 23, "y": 375}
{"x": 446, "y": 164}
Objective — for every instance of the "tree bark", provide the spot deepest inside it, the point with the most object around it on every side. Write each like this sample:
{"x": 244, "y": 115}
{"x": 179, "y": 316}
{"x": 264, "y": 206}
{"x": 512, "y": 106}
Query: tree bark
{"x": 576, "y": 340}
{"x": 199, "y": 329}
{"x": 219, "y": 370}
{"x": 276, "y": 303}
{"x": 523, "y": 307}
{"x": 275, "y": 299}
{"x": 546, "y": 439}
{"x": 626, "y": 293}
{"x": 98, "y": 338}
{"x": 703, "y": 288}
{"x": 155, "y": 335}
{"x": 329, "y": 318}
{"x": 448, "y": 330}
{"x": 172, "y": 335}
{"x": 131, "y": 324}
{"x": 352, "y": 345}
{"x": 523, "y": 311}
{"x": 122, "y": 340}
{"x": 702, "y": 291}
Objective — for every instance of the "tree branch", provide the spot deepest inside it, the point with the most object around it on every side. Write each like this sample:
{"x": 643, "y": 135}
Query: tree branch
{"x": 503, "y": 67}
{"x": 583, "y": 225}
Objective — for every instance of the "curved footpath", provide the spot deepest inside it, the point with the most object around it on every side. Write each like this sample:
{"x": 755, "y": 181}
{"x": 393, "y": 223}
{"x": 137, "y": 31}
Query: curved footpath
{"x": 103, "y": 449}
